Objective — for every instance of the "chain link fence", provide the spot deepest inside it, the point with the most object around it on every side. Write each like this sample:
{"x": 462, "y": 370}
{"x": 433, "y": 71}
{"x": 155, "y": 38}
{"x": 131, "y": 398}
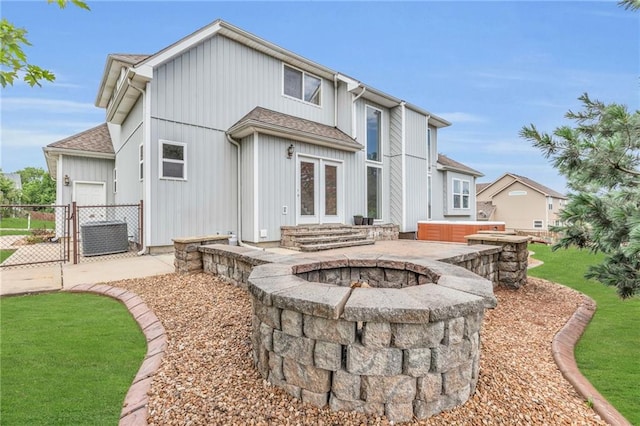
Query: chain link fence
{"x": 106, "y": 231}
{"x": 32, "y": 235}
{"x": 39, "y": 235}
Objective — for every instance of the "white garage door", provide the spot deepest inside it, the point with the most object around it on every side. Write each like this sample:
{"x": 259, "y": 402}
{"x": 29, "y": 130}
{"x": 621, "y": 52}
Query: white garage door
{"x": 91, "y": 194}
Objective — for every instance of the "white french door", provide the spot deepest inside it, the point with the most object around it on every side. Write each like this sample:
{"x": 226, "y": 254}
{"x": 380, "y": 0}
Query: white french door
{"x": 319, "y": 190}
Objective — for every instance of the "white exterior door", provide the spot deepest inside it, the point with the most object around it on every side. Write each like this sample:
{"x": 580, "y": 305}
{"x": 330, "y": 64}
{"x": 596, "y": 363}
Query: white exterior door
{"x": 91, "y": 194}
{"x": 319, "y": 191}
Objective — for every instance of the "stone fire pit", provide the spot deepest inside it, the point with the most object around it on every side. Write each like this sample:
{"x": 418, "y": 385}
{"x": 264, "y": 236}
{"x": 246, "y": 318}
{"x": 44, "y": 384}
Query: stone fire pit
{"x": 380, "y": 335}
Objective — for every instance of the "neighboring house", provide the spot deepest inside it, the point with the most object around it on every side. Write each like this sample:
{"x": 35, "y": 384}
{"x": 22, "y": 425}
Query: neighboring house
{"x": 520, "y": 202}
{"x": 225, "y": 132}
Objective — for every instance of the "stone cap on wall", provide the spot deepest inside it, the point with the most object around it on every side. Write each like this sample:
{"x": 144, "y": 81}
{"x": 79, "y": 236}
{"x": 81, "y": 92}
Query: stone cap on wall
{"x": 498, "y": 238}
{"x": 448, "y": 291}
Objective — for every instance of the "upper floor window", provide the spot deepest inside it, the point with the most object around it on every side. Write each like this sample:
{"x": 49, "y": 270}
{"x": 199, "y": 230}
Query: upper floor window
{"x": 374, "y": 134}
{"x": 173, "y": 163}
{"x": 461, "y": 193}
{"x": 300, "y": 85}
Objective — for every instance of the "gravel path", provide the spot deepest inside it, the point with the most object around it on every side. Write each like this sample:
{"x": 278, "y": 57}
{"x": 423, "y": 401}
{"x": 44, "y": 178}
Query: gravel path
{"x": 207, "y": 376}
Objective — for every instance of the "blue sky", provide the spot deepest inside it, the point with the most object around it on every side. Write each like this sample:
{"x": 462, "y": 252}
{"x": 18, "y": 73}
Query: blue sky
{"x": 489, "y": 67}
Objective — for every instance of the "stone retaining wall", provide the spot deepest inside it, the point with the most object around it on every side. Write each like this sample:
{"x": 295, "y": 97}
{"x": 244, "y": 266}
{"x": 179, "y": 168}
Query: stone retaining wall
{"x": 512, "y": 261}
{"x": 396, "y": 348}
{"x": 188, "y": 258}
{"x": 378, "y": 232}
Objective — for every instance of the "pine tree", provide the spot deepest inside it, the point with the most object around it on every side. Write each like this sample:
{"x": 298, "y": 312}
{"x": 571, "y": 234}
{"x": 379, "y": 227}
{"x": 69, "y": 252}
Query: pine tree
{"x": 600, "y": 157}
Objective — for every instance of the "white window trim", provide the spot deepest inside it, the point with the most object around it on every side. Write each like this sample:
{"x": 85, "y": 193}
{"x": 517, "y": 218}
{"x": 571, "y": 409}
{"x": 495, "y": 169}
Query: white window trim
{"x": 538, "y": 227}
{"x": 453, "y": 194}
{"x": 319, "y": 104}
{"x": 381, "y": 134}
{"x": 376, "y": 165}
{"x": 161, "y": 160}
{"x": 141, "y": 162}
{"x": 115, "y": 180}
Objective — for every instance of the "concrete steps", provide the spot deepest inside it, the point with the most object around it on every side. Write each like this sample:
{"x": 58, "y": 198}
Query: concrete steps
{"x": 324, "y": 237}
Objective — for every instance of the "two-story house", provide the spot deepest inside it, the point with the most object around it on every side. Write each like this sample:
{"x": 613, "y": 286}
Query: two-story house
{"x": 520, "y": 202}
{"x": 224, "y": 131}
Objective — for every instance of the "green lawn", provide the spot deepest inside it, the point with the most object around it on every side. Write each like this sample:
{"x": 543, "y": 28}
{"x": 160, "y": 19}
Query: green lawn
{"x": 66, "y": 359}
{"x": 5, "y": 253}
{"x": 608, "y": 353}
{"x": 21, "y": 223}
{"x": 4, "y": 232}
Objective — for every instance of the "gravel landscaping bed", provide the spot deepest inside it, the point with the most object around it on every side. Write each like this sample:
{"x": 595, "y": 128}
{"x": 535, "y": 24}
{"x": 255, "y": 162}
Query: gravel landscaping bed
{"x": 207, "y": 375}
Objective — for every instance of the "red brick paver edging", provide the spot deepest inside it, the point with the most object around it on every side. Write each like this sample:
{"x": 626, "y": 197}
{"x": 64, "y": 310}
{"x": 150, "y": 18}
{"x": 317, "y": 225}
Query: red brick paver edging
{"x": 134, "y": 408}
{"x": 563, "y": 346}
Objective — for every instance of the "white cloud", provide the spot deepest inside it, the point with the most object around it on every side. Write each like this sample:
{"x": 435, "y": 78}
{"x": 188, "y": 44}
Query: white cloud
{"x": 461, "y": 117}
{"x": 30, "y": 137}
{"x": 55, "y": 106}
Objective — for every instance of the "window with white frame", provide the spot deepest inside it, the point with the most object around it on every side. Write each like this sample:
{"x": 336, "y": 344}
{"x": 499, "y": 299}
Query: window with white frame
{"x": 537, "y": 224}
{"x": 173, "y": 163}
{"x": 115, "y": 180}
{"x": 300, "y": 85}
{"x": 550, "y": 202}
{"x": 461, "y": 193}
{"x": 141, "y": 162}
{"x": 374, "y": 192}
{"x": 374, "y": 134}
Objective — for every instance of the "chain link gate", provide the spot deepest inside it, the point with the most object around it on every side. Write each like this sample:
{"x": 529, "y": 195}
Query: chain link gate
{"x": 33, "y": 235}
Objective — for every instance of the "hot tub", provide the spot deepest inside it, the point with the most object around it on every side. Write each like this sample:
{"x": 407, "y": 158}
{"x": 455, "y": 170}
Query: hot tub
{"x": 452, "y": 231}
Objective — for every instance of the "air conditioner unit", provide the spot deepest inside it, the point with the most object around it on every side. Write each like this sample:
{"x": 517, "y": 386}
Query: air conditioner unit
{"x": 104, "y": 237}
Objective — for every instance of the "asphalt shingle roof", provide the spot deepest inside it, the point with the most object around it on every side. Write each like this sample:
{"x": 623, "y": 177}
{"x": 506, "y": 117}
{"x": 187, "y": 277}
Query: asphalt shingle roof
{"x": 545, "y": 189}
{"x": 448, "y": 162}
{"x": 278, "y": 119}
{"x": 96, "y": 139}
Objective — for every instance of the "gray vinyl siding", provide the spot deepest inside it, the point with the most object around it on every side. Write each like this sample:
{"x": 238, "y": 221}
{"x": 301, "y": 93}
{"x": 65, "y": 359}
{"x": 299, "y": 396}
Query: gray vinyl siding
{"x": 129, "y": 125}
{"x": 417, "y": 193}
{"x": 247, "y": 167}
{"x": 345, "y": 107}
{"x": 204, "y": 204}
{"x": 396, "y": 173}
{"x": 438, "y": 194}
{"x": 87, "y": 170}
{"x": 416, "y": 134}
{"x": 277, "y": 183}
{"x": 130, "y": 187}
{"x": 219, "y": 81}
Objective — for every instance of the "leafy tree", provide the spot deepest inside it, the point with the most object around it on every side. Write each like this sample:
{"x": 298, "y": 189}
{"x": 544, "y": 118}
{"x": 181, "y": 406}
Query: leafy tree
{"x": 630, "y": 4}
{"x": 37, "y": 186}
{"x": 600, "y": 157}
{"x": 13, "y": 60}
{"x": 9, "y": 194}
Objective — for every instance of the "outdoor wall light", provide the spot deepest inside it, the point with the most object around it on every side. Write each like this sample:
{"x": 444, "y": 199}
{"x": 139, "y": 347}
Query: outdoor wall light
{"x": 66, "y": 180}
{"x": 290, "y": 151}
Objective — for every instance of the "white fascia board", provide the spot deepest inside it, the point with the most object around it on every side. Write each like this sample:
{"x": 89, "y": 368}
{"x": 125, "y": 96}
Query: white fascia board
{"x": 78, "y": 153}
{"x": 180, "y": 46}
{"x": 254, "y": 128}
{"x": 352, "y": 84}
{"x": 438, "y": 121}
{"x": 51, "y": 159}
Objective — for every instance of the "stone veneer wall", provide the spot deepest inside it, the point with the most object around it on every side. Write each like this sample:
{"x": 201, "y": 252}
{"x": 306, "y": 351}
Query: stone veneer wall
{"x": 188, "y": 258}
{"x": 512, "y": 261}
{"x": 404, "y": 350}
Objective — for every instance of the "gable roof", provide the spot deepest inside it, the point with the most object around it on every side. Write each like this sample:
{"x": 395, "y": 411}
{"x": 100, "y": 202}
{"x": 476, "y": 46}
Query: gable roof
{"x": 481, "y": 186}
{"x": 484, "y": 210}
{"x": 95, "y": 142}
{"x": 143, "y": 70}
{"x": 447, "y": 163}
{"x": 96, "y": 139}
{"x": 290, "y": 127}
{"x": 544, "y": 190}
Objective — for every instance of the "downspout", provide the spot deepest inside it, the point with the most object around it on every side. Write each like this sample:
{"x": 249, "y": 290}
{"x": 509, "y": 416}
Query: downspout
{"x": 239, "y": 191}
{"x": 335, "y": 100}
{"x": 354, "y": 133}
{"x": 146, "y": 143}
{"x": 403, "y": 145}
{"x": 430, "y": 174}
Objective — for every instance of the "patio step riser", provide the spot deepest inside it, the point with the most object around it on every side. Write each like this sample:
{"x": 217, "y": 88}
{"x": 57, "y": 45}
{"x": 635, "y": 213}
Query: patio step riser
{"x": 329, "y": 246}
